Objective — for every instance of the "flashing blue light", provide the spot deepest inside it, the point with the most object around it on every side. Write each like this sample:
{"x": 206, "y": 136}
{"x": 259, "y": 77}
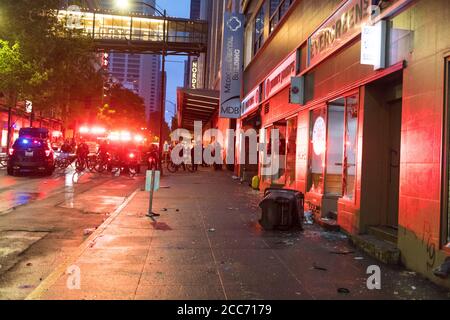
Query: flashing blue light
{"x": 25, "y": 141}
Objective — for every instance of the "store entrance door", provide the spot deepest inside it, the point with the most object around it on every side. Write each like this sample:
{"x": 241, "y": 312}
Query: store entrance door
{"x": 381, "y": 157}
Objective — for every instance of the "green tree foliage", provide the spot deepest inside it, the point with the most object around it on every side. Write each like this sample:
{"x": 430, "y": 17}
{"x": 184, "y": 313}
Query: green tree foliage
{"x": 16, "y": 75}
{"x": 64, "y": 57}
{"x": 125, "y": 110}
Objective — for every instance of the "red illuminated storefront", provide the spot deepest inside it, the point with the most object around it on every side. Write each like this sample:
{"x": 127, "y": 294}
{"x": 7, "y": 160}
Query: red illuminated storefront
{"x": 367, "y": 146}
{"x": 20, "y": 119}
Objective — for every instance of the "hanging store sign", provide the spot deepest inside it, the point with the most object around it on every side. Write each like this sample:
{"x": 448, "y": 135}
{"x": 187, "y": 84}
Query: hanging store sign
{"x": 251, "y": 101}
{"x": 232, "y": 55}
{"x": 345, "y": 24}
{"x": 297, "y": 92}
{"x": 373, "y": 45}
{"x": 194, "y": 74}
{"x": 280, "y": 76}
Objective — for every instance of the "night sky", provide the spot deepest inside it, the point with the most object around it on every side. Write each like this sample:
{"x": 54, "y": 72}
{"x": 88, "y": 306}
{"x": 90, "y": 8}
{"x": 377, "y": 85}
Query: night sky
{"x": 175, "y": 65}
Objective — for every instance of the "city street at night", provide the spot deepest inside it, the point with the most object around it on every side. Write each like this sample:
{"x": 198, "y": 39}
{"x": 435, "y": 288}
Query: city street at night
{"x": 224, "y": 158}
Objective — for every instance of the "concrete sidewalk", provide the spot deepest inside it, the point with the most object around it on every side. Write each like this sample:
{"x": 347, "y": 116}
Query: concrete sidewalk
{"x": 208, "y": 244}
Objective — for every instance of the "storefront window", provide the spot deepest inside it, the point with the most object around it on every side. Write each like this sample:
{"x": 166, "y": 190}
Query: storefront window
{"x": 266, "y": 160}
{"x": 276, "y": 159}
{"x": 317, "y": 149}
{"x": 279, "y": 177}
{"x": 351, "y": 142}
{"x": 291, "y": 150}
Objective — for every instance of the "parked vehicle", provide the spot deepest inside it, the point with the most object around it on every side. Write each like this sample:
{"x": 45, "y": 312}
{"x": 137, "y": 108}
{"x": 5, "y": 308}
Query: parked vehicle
{"x": 30, "y": 154}
{"x": 38, "y": 133}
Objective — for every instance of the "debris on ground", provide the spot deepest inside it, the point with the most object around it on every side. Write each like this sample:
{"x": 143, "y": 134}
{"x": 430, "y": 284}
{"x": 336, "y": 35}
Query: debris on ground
{"x": 359, "y": 258}
{"x": 443, "y": 271}
{"x": 235, "y": 178}
{"x": 343, "y": 290}
{"x": 309, "y": 218}
{"x": 26, "y": 286}
{"x": 286, "y": 242}
{"x": 316, "y": 267}
{"x": 212, "y": 230}
{"x": 233, "y": 209}
{"x": 89, "y": 231}
{"x": 29, "y": 264}
{"x": 343, "y": 253}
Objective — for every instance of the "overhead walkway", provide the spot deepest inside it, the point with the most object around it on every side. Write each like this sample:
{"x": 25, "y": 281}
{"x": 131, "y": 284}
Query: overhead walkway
{"x": 139, "y": 33}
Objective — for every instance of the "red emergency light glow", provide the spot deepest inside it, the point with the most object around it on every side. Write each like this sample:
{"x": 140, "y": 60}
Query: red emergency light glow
{"x": 56, "y": 134}
{"x": 138, "y": 138}
{"x": 84, "y": 130}
{"x": 98, "y": 130}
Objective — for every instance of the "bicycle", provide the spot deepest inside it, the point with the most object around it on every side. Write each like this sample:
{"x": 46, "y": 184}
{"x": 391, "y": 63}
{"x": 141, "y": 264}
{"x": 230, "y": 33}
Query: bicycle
{"x": 81, "y": 164}
{"x": 63, "y": 161}
{"x": 172, "y": 167}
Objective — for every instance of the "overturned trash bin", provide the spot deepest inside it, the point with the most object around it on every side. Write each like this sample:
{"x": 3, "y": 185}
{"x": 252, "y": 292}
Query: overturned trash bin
{"x": 282, "y": 209}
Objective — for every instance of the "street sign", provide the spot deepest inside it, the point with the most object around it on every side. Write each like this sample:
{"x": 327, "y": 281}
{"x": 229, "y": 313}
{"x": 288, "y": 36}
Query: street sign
{"x": 28, "y": 106}
{"x": 232, "y": 54}
{"x": 148, "y": 181}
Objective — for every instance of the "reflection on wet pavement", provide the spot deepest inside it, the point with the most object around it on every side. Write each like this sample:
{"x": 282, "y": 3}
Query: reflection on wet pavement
{"x": 19, "y": 191}
{"x": 92, "y": 203}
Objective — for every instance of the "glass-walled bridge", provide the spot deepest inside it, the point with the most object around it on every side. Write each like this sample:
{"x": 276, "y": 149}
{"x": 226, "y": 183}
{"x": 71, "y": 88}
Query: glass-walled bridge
{"x": 139, "y": 33}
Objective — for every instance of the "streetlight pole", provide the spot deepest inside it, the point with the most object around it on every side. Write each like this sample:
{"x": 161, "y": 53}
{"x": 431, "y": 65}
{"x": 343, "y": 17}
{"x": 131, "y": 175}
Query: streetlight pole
{"x": 124, "y": 3}
{"x": 163, "y": 94}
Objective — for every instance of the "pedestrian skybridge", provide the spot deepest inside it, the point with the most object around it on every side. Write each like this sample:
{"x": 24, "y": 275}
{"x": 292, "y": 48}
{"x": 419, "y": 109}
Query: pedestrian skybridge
{"x": 139, "y": 33}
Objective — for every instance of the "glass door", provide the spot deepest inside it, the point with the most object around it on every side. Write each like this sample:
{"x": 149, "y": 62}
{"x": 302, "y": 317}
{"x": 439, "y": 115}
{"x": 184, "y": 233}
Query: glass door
{"x": 335, "y": 148}
{"x": 317, "y": 149}
{"x": 350, "y": 146}
{"x": 291, "y": 151}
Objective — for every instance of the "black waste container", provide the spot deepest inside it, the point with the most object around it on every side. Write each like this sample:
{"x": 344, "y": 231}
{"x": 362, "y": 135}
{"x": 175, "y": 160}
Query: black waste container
{"x": 282, "y": 209}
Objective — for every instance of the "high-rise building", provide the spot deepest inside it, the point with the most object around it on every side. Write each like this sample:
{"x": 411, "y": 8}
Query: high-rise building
{"x": 195, "y": 9}
{"x": 137, "y": 72}
{"x": 195, "y": 66}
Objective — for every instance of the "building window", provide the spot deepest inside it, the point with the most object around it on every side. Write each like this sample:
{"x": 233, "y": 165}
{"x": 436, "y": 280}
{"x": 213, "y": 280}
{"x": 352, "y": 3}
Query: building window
{"x": 446, "y": 188}
{"x": 278, "y": 9}
{"x": 333, "y": 150}
{"x": 258, "y": 39}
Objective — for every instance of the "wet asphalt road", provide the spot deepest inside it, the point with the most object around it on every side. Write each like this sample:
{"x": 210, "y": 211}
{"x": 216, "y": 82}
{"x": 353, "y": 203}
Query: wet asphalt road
{"x": 43, "y": 219}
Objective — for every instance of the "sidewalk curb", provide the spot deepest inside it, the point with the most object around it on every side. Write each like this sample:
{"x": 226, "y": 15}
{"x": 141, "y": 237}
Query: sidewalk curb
{"x": 37, "y": 293}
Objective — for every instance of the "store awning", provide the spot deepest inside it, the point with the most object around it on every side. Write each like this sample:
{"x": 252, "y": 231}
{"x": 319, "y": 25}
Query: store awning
{"x": 196, "y": 105}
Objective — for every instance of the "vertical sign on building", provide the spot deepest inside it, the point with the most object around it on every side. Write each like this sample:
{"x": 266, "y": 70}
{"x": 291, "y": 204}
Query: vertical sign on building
{"x": 232, "y": 54}
{"x": 194, "y": 74}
